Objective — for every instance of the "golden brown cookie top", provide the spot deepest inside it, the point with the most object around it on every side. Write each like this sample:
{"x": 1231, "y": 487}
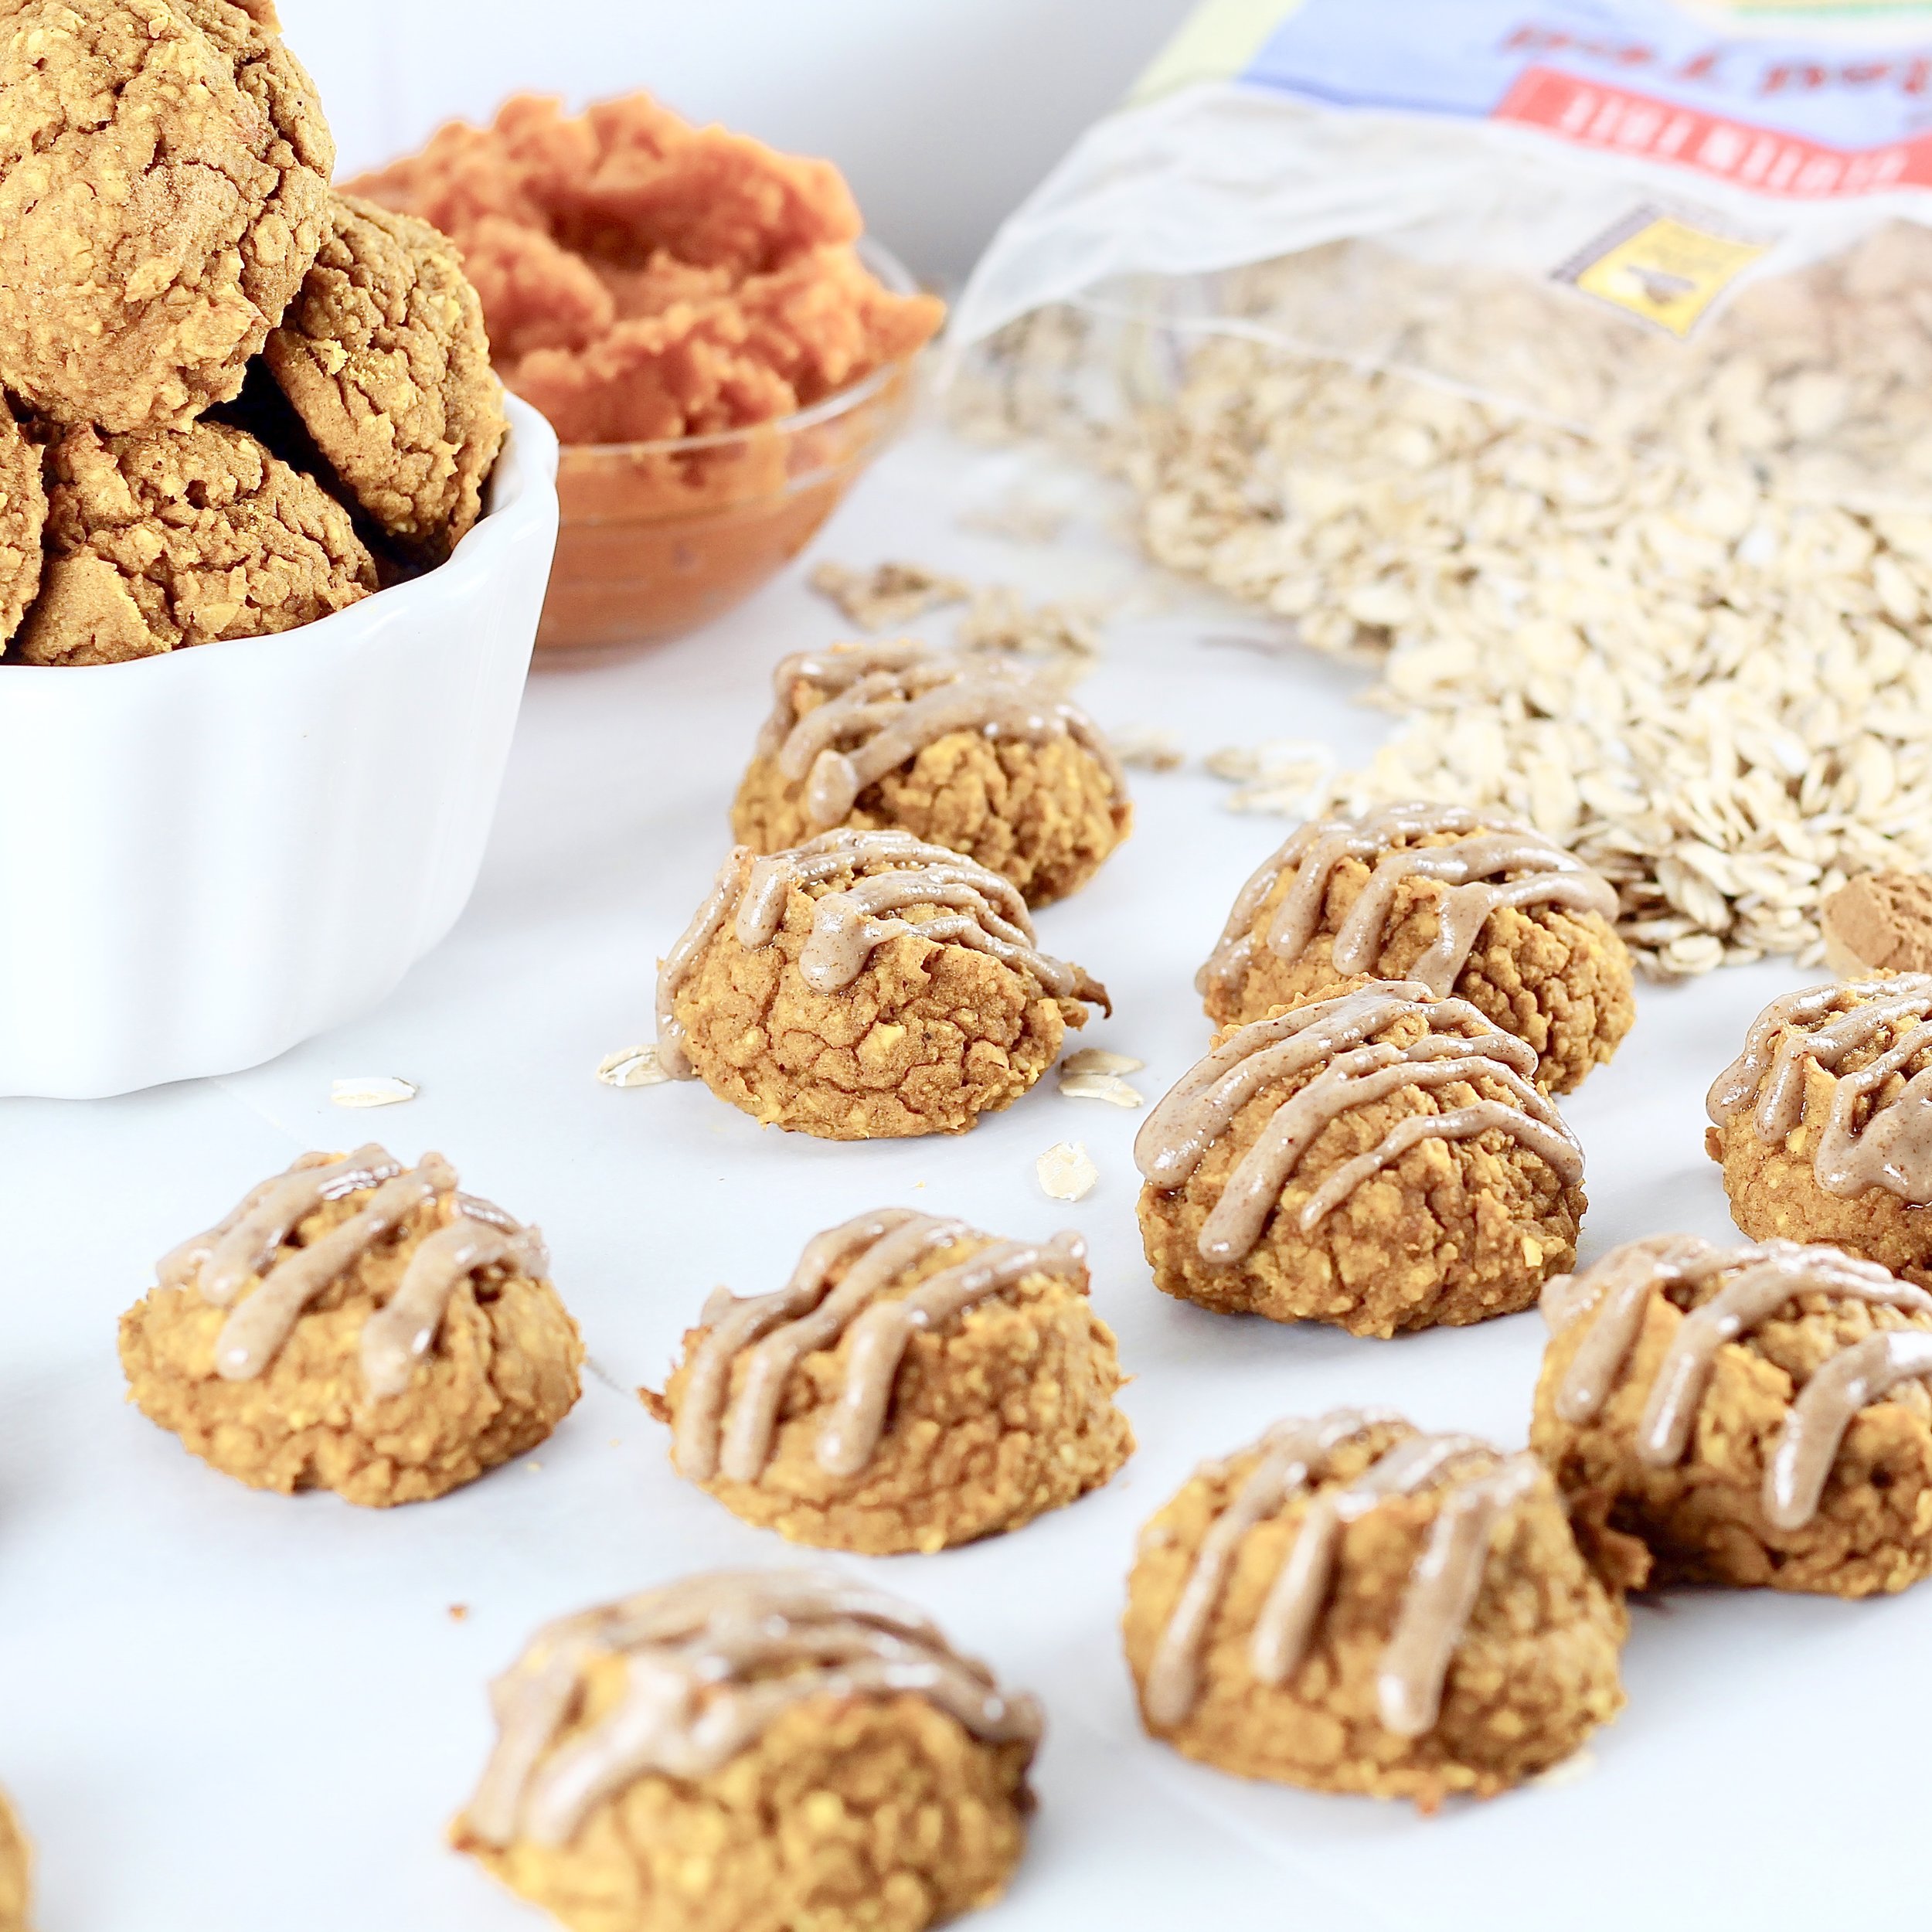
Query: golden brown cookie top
{"x": 291, "y": 1239}
{"x": 1880, "y": 922}
{"x": 1327, "y": 1475}
{"x": 164, "y": 179}
{"x": 1311, "y": 1066}
{"x": 383, "y": 357}
{"x": 1850, "y": 1064}
{"x": 170, "y": 538}
{"x": 845, "y": 717}
{"x": 1846, "y": 1331}
{"x": 705, "y": 1666}
{"x": 1479, "y": 862}
{"x": 858, "y": 890}
{"x": 868, "y": 1285}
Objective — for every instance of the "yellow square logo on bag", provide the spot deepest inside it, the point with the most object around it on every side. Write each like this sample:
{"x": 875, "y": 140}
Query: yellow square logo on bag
{"x": 1662, "y": 268}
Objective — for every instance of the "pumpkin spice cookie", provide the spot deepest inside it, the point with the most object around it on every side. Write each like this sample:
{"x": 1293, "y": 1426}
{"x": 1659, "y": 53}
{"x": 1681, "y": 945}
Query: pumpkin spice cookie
{"x": 782, "y": 1749}
{"x": 358, "y": 1326}
{"x": 16, "y": 1863}
{"x": 865, "y": 984}
{"x": 1823, "y": 1123}
{"x": 1755, "y": 1415}
{"x": 180, "y": 537}
{"x": 1351, "y": 1605}
{"x": 967, "y": 754}
{"x": 382, "y": 356}
{"x": 1381, "y": 1160}
{"x": 1465, "y": 902}
{"x": 164, "y": 186}
{"x": 23, "y": 516}
{"x": 914, "y": 1385}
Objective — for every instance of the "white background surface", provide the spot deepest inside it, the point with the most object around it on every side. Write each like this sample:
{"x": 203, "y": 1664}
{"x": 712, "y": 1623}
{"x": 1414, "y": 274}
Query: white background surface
{"x": 222, "y": 1711}
{"x": 942, "y": 113}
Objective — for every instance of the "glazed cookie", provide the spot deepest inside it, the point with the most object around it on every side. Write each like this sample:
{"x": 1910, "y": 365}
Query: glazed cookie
{"x": 1380, "y": 1160}
{"x": 865, "y": 984}
{"x": 967, "y": 754}
{"x": 915, "y": 1384}
{"x": 1353, "y": 1606}
{"x": 1477, "y": 906}
{"x": 16, "y": 1864}
{"x": 356, "y": 1326}
{"x": 1756, "y": 1415}
{"x": 781, "y": 1750}
{"x": 1823, "y": 1123}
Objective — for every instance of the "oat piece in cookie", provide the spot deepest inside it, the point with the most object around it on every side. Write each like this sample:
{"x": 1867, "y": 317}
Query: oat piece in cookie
{"x": 1381, "y": 1160}
{"x": 778, "y": 1749}
{"x": 164, "y": 186}
{"x": 383, "y": 357}
{"x": 1823, "y": 1123}
{"x": 23, "y": 516}
{"x": 1880, "y": 922}
{"x": 1465, "y": 903}
{"x": 966, "y": 754}
{"x": 1351, "y": 1605}
{"x": 1754, "y": 1415}
{"x": 862, "y": 985}
{"x": 179, "y": 537}
{"x": 356, "y": 1325}
{"x": 916, "y": 1384}
{"x": 16, "y": 1863}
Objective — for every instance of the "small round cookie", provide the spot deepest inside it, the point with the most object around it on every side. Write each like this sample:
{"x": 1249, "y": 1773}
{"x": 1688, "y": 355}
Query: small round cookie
{"x": 1352, "y": 1605}
{"x": 967, "y": 754}
{"x": 782, "y": 1749}
{"x": 1755, "y": 1415}
{"x": 1465, "y": 903}
{"x": 1380, "y": 1160}
{"x": 383, "y": 357}
{"x": 357, "y": 1326}
{"x": 164, "y": 186}
{"x": 1823, "y": 1123}
{"x": 915, "y": 1384}
{"x": 865, "y": 984}
{"x": 179, "y": 537}
{"x": 16, "y": 1871}
{"x": 23, "y": 516}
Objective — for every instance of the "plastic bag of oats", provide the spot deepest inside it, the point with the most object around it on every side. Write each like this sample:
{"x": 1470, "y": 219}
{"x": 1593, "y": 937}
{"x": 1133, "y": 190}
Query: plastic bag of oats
{"x": 1575, "y": 357}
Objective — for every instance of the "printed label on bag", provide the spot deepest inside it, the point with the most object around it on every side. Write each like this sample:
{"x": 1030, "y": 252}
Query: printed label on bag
{"x": 1665, "y": 268}
{"x": 1798, "y": 119}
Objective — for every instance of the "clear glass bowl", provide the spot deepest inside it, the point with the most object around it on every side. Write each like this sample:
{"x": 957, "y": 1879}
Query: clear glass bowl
{"x": 657, "y": 539}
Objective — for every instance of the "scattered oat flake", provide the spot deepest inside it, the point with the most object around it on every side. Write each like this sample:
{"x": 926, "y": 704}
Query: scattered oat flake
{"x": 534, "y": 1468}
{"x": 1573, "y": 1770}
{"x": 1148, "y": 748}
{"x": 1097, "y": 1060}
{"x": 631, "y": 1066}
{"x": 888, "y": 593}
{"x": 1065, "y": 1170}
{"x": 1100, "y": 1087}
{"x": 371, "y": 1090}
{"x": 1022, "y": 516}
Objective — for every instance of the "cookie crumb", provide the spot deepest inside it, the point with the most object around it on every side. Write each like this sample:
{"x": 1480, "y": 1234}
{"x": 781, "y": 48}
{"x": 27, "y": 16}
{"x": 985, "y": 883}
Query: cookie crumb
{"x": 372, "y": 1090}
{"x": 1065, "y": 1170}
{"x": 458, "y": 1612}
{"x": 1880, "y": 922}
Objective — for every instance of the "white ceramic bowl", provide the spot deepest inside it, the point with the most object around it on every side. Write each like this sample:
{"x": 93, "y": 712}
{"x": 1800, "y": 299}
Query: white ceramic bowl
{"x": 207, "y": 857}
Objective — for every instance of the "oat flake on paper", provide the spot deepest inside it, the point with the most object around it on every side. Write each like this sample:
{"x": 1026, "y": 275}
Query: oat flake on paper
{"x": 1671, "y": 644}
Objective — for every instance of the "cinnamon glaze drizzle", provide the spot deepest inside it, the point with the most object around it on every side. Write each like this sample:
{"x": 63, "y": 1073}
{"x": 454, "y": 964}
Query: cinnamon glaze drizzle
{"x": 239, "y": 1262}
{"x": 716, "y": 1432}
{"x": 711, "y": 1662}
{"x": 892, "y": 871}
{"x": 1337, "y": 1036}
{"x": 1760, "y": 1280}
{"x": 1486, "y": 864}
{"x": 885, "y": 702}
{"x": 1886, "y": 1144}
{"x": 1478, "y": 1486}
